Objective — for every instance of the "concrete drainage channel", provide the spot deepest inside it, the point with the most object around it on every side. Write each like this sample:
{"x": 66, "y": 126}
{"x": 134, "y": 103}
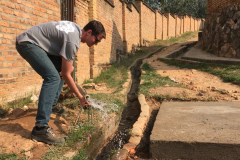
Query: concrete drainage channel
{"x": 137, "y": 118}
{"x": 134, "y": 119}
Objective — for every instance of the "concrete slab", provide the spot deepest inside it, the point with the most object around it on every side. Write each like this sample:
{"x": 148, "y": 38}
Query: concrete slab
{"x": 196, "y": 54}
{"x": 196, "y": 130}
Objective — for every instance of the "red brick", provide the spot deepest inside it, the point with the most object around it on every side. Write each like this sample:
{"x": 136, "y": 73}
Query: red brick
{"x": 1, "y": 58}
{"x": 16, "y": 13}
{"x": 4, "y": 70}
{"x": 9, "y": 42}
{"x": 7, "y": 11}
{"x": 3, "y": 86}
{"x": 17, "y": 7}
{"x": 5, "y": 64}
{"x": 4, "y": 53}
{"x": 13, "y": 25}
{"x": 7, "y": 36}
{"x": 6, "y": 24}
{"x": 10, "y": 5}
{"x": 3, "y": 47}
{"x": 43, "y": 10}
{"x": 14, "y": 70}
{"x": 14, "y": 65}
{"x": 5, "y": 18}
{"x": 8, "y": 58}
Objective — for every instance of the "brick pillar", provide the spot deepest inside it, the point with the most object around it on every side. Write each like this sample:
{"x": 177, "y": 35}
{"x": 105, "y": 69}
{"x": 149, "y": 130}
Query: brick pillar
{"x": 156, "y": 12}
{"x": 92, "y": 8}
{"x": 139, "y": 7}
{"x": 124, "y": 5}
{"x": 168, "y": 16}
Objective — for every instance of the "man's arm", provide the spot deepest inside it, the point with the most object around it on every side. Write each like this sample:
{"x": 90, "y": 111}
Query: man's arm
{"x": 67, "y": 68}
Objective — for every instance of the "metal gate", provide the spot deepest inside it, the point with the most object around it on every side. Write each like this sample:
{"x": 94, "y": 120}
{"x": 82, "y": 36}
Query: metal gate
{"x": 67, "y": 10}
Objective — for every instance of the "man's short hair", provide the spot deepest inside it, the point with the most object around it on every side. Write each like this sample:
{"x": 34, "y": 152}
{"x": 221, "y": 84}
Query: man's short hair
{"x": 96, "y": 27}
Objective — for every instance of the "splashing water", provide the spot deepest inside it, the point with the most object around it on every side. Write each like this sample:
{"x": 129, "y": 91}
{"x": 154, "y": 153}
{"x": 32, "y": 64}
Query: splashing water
{"x": 104, "y": 107}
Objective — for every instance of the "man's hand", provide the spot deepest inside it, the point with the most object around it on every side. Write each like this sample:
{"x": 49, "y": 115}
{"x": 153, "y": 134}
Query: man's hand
{"x": 84, "y": 102}
{"x": 67, "y": 69}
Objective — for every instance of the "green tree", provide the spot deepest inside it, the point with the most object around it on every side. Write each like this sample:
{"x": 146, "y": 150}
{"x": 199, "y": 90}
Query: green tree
{"x": 195, "y": 8}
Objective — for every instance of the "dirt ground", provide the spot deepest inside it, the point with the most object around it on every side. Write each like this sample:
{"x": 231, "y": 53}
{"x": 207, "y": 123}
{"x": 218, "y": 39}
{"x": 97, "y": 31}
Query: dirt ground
{"x": 15, "y": 129}
{"x": 199, "y": 85}
{"x": 15, "y": 132}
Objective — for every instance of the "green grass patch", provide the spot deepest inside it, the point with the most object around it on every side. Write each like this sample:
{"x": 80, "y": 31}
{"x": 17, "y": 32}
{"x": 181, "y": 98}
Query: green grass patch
{"x": 228, "y": 73}
{"x": 152, "y": 79}
{"x": 114, "y": 77}
{"x": 183, "y": 38}
{"x": 4, "y": 156}
{"x": 20, "y": 102}
{"x": 81, "y": 155}
{"x": 76, "y": 135}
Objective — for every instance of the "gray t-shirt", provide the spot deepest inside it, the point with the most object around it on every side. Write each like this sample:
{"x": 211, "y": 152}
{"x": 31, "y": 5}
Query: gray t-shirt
{"x": 56, "y": 38}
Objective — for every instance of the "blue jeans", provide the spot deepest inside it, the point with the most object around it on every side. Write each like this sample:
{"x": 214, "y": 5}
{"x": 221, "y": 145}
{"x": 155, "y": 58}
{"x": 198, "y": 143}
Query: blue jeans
{"x": 48, "y": 67}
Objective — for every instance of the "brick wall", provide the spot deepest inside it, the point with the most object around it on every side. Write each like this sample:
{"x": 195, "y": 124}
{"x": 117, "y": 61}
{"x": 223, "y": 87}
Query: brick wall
{"x": 178, "y": 26}
{"x": 195, "y": 25}
{"x": 83, "y": 57}
{"x": 147, "y": 22}
{"x": 215, "y": 6}
{"x": 159, "y": 25}
{"x": 192, "y": 22}
{"x": 182, "y": 25}
{"x": 171, "y": 25}
{"x": 17, "y": 78}
{"x": 127, "y": 25}
{"x": 187, "y": 23}
{"x": 132, "y": 29}
{"x": 165, "y": 27}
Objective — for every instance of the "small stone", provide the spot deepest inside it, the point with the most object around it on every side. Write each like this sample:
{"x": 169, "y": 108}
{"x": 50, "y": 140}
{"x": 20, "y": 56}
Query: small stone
{"x": 28, "y": 155}
{"x": 164, "y": 71}
{"x": 200, "y": 94}
{"x": 34, "y": 98}
{"x": 213, "y": 89}
{"x": 223, "y": 92}
{"x": 143, "y": 72}
{"x": 70, "y": 154}
{"x": 166, "y": 85}
{"x": 25, "y": 108}
{"x": 10, "y": 110}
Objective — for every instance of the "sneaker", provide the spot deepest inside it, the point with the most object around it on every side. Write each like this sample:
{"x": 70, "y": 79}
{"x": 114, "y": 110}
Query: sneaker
{"x": 58, "y": 109}
{"x": 46, "y": 135}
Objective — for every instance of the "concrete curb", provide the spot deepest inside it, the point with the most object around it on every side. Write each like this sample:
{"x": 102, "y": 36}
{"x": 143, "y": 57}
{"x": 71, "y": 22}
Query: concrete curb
{"x": 179, "y": 51}
{"x": 188, "y": 58}
{"x": 137, "y": 131}
{"x": 127, "y": 85}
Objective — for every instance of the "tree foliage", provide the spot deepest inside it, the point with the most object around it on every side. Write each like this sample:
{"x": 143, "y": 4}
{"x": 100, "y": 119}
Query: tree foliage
{"x": 195, "y": 8}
